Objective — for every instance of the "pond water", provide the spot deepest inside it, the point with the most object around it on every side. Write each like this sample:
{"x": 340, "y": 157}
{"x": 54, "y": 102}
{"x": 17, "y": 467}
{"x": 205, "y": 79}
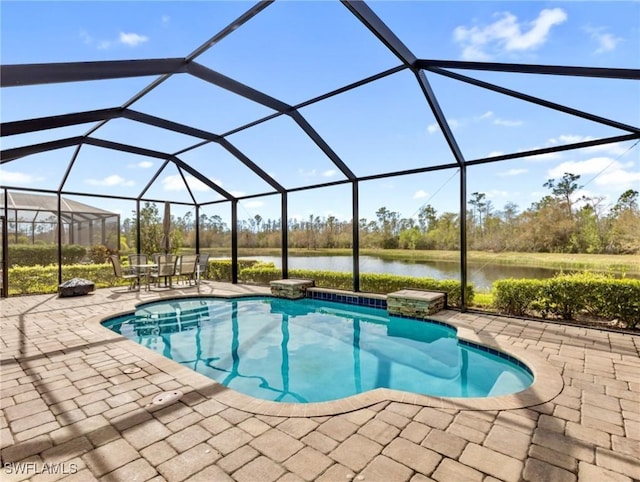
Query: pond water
{"x": 482, "y": 276}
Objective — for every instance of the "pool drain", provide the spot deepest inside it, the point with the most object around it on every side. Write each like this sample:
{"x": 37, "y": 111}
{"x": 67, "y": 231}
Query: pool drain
{"x": 167, "y": 398}
{"x": 131, "y": 369}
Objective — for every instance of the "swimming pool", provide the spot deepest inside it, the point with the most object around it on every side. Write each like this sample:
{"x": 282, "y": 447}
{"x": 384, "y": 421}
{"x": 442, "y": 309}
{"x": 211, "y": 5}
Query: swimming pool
{"x": 306, "y": 350}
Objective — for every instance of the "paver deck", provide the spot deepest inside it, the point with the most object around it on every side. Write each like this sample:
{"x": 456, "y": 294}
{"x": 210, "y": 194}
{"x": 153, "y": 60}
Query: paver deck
{"x": 71, "y": 409}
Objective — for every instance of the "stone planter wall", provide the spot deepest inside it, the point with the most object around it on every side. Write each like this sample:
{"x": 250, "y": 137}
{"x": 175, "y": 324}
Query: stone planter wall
{"x": 414, "y": 303}
{"x": 292, "y": 289}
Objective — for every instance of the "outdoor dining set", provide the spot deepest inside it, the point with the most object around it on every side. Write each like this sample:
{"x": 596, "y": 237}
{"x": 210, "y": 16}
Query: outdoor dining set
{"x": 159, "y": 268}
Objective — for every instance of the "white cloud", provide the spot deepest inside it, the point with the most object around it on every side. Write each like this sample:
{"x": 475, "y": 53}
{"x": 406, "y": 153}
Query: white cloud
{"x": 495, "y": 153}
{"x": 507, "y": 34}
{"x": 453, "y": 124}
{"x": 564, "y": 139}
{"x": 618, "y": 178}
{"x": 113, "y": 180}
{"x": 568, "y": 139}
{"x": 165, "y": 19}
{"x": 513, "y": 172}
{"x": 420, "y": 194}
{"x": 132, "y": 39}
{"x": 237, "y": 193}
{"x": 610, "y": 173}
{"x": 335, "y": 214}
{"x": 315, "y": 173}
{"x": 605, "y": 41}
{"x": 590, "y": 166}
{"x": 174, "y": 182}
{"x": 141, "y": 165}
{"x": 18, "y": 178}
{"x": 614, "y": 149}
{"x": 507, "y": 123}
{"x": 85, "y": 37}
{"x": 253, "y": 204}
{"x": 494, "y": 193}
{"x": 549, "y": 156}
{"x": 490, "y": 115}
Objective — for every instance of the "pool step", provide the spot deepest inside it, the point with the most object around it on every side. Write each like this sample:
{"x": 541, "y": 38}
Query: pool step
{"x": 415, "y": 303}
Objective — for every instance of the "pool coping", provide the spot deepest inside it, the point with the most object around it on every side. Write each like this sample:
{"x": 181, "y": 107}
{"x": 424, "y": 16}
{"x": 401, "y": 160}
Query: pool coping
{"x": 547, "y": 382}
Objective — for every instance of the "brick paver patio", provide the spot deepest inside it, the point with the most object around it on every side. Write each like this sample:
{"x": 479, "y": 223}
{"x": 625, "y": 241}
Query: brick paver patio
{"x": 72, "y": 411}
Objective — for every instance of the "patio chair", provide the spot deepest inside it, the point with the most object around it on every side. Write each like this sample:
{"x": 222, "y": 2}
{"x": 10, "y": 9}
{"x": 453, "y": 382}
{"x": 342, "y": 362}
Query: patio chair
{"x": 187, "y": 266}
{"x": 203, "y": 266}
{"x": 126, "y": 273}
{"x": 166, "y": 268}
{"x": 138, "y": 259}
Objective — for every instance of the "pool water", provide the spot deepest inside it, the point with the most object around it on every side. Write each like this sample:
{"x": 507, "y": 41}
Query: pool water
{"x": 311, "y": 351}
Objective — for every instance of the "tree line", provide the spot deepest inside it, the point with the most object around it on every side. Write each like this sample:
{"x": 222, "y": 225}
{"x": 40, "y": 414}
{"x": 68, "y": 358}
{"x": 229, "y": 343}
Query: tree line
{"x": 557, "y": 223}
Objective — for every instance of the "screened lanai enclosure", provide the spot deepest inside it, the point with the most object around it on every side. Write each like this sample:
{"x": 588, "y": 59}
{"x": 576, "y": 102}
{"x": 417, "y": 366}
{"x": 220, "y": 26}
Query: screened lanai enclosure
{"x": 298, "y": 125}
{"x": 33, "y": 219}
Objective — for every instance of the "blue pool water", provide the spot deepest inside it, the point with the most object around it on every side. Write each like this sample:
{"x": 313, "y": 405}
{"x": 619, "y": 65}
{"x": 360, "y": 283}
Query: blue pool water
{"x": 312, "y": 351}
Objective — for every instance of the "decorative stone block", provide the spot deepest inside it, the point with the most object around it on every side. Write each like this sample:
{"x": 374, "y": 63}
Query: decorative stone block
{"x": 414, "y": 303}
{"x": 291, "y": 289}
{"x": 75, "y": 287}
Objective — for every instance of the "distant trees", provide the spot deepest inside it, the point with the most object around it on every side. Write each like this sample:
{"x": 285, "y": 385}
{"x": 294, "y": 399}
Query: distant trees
{"x": 624, "y": 220}
{"x": 564, "y": 189}
{"x": 559, "y": 222}
{"x": 150, "y": 229}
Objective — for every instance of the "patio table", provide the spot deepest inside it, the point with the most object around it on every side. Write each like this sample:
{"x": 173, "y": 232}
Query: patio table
{"x": 144, "y": 270}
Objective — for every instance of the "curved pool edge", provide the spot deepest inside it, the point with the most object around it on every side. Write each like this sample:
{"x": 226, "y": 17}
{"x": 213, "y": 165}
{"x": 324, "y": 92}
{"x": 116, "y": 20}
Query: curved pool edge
{"x": 547, "y": 383}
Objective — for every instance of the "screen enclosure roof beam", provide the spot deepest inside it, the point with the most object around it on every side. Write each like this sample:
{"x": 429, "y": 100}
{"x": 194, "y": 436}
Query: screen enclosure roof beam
{"x": 602, "y": 72}
{"x": 54, "y": 73}
{"x": 535, "y": 100}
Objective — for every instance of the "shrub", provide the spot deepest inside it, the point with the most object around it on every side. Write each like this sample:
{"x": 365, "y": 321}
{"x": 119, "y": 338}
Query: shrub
{"x": 568, "y": 295}
{"x": 44, "y": 279}
{"x": 516, "y": 296}
{"x": 99, "y": 254}
{"x": 370, "y": 282}
{"x": 220, "y": 269}
{"x": 44, "y": 254}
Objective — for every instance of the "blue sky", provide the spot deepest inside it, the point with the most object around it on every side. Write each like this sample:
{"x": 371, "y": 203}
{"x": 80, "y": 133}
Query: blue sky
{"x": 294, "y": 51}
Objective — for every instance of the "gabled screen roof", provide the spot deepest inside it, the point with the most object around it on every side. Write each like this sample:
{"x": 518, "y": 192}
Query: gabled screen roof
{"x": 208, "y": 101}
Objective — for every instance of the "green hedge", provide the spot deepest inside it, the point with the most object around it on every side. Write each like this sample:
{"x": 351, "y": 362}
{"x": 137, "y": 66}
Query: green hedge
{"x": 566, "y": 296}
{"x": 370, "y": 282}
{"x": 44, "y": 254}
{"x": 220, "y": 269}
{"x": 30, "y": 280}
{"x": 38, "y": 279}
{"x": 517, "y": 296}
